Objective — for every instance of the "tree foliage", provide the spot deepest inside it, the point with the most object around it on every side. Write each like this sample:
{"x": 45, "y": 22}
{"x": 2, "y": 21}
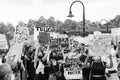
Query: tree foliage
{"x": 61, "y": 27}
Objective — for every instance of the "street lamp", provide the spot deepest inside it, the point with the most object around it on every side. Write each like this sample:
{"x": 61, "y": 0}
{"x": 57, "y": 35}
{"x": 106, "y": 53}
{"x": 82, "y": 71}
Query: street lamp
{"x": 71, "y": 15}
{"x": 106, "y": 23}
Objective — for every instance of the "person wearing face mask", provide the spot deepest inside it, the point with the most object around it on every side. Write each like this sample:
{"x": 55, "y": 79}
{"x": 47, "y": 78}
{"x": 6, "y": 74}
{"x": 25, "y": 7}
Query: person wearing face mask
{"x": 85, "y": 70}
{"x": 82, "y": 55}
{"x": 40, "y": 65}
{"x": 55, "y": 67}
{"x": 97, "y": 67}
{"x": 113, "y": 71}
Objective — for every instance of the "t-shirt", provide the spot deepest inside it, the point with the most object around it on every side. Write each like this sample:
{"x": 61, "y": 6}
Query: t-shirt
{"x": 40, "y": 68}
{"x": 54, "y": 68}
{"x": 114, "y": 59}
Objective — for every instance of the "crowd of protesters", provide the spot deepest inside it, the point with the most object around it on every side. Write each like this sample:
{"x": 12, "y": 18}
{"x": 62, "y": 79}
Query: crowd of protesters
{"x": 38, "y": 63}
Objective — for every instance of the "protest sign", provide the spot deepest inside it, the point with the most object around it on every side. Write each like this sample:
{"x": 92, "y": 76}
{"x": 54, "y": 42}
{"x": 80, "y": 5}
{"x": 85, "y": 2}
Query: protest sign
{"x": 54, "y": 43}
{"x": 115, "y": 32}
{"x": 43, "y": 38}
{"x": 3, "y": 42}
{"x": 59, "y": 43}
{"x": 72, "y": 68}
{"x": 64, "y": 42}
{"x": 14, "y": 54}
{"x": 77, "y": 40}
{"x": 100, "y": 45}
{"x": 36, "y": 33}
{"x": 21, "y": 34}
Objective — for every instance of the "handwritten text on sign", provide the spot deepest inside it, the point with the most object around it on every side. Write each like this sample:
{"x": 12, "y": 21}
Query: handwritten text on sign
{"x": 72, "y": 69}
{"x": 21, "y": 34}
{"x": 58, "y": 43}
{"x": 100, "y": 45}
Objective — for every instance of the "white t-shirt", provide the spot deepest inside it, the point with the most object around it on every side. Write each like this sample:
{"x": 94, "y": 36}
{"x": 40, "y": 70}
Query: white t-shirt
{"x": 114, "y": 59}
{"x": 40, "y": 68}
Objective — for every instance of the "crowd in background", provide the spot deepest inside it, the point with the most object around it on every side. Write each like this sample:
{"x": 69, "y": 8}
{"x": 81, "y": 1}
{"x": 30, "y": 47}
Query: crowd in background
{"x": 39, "y": 63}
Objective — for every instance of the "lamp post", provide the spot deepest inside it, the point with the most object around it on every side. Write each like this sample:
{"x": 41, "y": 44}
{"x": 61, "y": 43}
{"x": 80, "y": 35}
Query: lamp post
{"x": 71, "y": 15}
{"x": 106, "y": 23}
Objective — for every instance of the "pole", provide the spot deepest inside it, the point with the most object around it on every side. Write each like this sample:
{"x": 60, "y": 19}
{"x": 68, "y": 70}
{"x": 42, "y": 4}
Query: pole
{"x": 83, "y": 15}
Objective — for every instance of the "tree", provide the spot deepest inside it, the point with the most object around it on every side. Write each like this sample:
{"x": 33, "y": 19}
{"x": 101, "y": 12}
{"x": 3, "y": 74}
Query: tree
{"x": 58, "y": 25}
{"x": 11, "y": 29}
{"x": 3, "y": 28}
{"x": 8, "y": 30}
{"x": 21, "y": 23}
{"x": 41, "y": 22}
{"x": 31, "y": 24}
{"x": 70, "y": 25}
{"x": 51, "y": 22}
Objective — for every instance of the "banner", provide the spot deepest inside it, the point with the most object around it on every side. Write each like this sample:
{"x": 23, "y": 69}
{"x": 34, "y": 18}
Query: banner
{"x": 54, "y": 43}
{"x": 14, "y": 54}
{"x": 116, "y": 35}
{"x": 100, "y": 45}
{"x": 21, "y": 34}
{"x": 3, "y": 42}
{"x": 43, "y": 38}
{"x": 59, "y": 43}
{"x": 64, "y": 42}
{"x": 72, "y": 68}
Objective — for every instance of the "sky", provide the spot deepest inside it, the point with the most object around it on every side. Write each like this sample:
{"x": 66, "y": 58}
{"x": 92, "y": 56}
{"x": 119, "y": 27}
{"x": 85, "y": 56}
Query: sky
{"x": 11, "y": 11}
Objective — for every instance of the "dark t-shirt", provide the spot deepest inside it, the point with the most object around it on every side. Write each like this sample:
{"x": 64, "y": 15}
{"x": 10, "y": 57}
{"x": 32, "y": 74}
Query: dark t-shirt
{"x": 85, "y": 71}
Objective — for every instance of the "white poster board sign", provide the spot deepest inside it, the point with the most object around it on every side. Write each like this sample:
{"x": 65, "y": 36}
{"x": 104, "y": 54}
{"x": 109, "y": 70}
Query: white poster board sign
{"x": 115, "y": 32}
{"x": 21, "y": 34}
{"x": 100, "y": 45}
{"x": 72, "y": 69}
{"x": 3, "y": 42}
{"x": 14, "y": 54}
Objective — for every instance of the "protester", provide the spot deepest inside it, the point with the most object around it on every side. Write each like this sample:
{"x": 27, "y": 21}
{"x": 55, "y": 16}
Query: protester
{"x": 40, "y": 67}
{"x": 97, "y": 67}
{"x": 30, "y": 64}
{"x": 56, "y": 69}
{"x": 113, "y": 71}
{"x": 25, "y": 58}
{"x": 86, "y": 70}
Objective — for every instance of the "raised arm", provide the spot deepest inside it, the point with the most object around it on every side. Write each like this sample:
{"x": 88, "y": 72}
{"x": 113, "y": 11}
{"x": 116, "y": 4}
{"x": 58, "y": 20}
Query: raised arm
{"x": 47, "y": 54}
{"x": 86, "y": 64}
{"x": 117, "y": 50}
{"x": 63, "y": 54}
{"x": 111, "y": 63}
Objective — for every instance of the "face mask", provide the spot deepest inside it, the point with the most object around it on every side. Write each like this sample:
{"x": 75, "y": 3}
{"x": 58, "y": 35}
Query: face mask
{"x": 40, "y": 57}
